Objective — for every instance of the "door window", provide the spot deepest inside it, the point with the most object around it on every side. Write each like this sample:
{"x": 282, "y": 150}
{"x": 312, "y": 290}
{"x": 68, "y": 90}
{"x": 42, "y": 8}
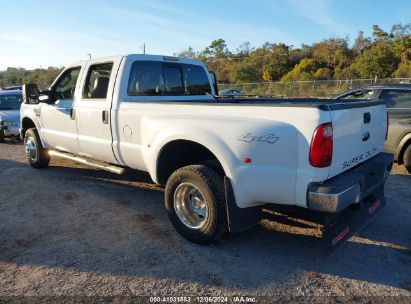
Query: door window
{"x": 98, "y": 78}
{"x": 397, "y": 98}
{"x": 66, "y": 85}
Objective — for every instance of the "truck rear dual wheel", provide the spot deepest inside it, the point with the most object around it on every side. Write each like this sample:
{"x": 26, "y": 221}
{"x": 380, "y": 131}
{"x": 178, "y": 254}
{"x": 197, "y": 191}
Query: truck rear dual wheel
{"x": 195, "y": 202}
{"x": 36, "y": 154}
{"x": 407, "y": 158}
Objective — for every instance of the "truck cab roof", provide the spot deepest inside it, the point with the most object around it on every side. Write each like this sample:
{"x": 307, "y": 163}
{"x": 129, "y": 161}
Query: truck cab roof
{"x": 147, "y": 57}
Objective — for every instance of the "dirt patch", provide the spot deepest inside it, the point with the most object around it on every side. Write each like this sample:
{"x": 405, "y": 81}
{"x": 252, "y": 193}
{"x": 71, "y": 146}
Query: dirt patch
{"x": 71, "y": 230}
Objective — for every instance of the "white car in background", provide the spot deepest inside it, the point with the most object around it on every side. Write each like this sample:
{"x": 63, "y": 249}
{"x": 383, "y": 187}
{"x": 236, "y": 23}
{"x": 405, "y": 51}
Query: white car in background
{"x": 10, "y": 102}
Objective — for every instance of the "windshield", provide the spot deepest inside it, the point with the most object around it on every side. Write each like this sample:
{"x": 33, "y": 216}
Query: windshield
{"x": 10, "y": 102}
{"x": 361, "y": 94}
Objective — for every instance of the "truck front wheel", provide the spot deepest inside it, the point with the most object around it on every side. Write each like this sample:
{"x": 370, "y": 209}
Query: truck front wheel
{"x": 195, "y": 202}
{"x": 407, "y": 158}
{"x": 37, "y": 156}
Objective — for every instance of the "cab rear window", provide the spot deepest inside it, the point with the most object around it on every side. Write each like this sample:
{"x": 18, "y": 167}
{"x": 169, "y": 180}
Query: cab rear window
{"x": 154, "y": 78}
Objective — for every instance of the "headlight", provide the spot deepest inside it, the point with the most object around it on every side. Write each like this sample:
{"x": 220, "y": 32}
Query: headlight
{"x": 9, "y": 123}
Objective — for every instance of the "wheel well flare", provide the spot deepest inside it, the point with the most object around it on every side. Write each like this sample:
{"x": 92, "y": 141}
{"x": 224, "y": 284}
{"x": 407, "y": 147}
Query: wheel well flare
{"x": 181, "y": 153}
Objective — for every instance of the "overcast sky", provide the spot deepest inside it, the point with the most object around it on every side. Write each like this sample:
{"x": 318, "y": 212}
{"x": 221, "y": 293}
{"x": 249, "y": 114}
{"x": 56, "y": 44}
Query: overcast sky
{"x": 56, "y": 33}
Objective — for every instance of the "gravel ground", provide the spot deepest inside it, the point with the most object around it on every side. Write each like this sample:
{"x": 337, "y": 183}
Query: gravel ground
{"x": 70, "y": 230}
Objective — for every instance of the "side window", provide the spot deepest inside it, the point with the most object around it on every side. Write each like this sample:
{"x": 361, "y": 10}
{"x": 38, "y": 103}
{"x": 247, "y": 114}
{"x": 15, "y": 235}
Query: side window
{"x": 397, "y": 98}
{"x": 98, "y": 78}
{"x": 196, "y": 80}
{"x": 66, "y": 85}
{"x": 146, "y": 79}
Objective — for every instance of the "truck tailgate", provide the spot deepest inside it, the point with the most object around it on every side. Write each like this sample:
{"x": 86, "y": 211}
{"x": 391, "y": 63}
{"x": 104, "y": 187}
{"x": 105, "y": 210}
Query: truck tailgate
{"x": 359, "y": 130}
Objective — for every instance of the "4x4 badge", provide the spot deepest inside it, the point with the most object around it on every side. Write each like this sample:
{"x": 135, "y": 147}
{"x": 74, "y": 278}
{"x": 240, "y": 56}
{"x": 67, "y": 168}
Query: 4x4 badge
{"x": 249, "y": 137}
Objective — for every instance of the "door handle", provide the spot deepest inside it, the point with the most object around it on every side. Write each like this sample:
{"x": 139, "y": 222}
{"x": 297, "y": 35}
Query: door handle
{"x": 72, "y": 114}
{"x": 104, "y": 117}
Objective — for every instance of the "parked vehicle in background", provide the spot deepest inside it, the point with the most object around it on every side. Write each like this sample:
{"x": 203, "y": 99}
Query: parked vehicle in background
{"x": 398, "y": 101}
{"x": 221, "y": 159}
{"x": 10, "y": 102}
{"x": 11, "y": 88}
{"x": 230, "y": 92}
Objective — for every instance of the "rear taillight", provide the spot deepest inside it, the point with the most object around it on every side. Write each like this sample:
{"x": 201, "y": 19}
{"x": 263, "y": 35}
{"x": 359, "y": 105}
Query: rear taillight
{"x": 388, "y": 123}
{"x": 321, "y": 149}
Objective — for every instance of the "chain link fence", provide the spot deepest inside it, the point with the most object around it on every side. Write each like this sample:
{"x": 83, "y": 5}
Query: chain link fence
{"x": 305, "y": 89}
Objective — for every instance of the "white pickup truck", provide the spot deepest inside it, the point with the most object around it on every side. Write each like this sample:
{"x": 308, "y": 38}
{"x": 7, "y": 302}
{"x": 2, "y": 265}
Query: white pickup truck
{"x": 221, "y": 158}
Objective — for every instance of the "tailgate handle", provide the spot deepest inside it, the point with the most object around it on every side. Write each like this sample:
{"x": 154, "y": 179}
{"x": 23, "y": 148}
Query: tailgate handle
{"x": 367, "y": 117}
{"x": 366, "y": 136}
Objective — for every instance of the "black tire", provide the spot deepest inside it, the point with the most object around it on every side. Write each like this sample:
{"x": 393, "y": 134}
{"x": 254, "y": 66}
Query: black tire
{"x": 407, "y": 158}
{"x": 211, "y": 187}
{"x": 1, "y": 136}
{"x": 39, "y": 158}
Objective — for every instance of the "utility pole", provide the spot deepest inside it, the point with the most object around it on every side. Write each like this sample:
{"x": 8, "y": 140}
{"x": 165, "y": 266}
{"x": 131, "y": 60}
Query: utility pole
{"x": 89, "y": 56}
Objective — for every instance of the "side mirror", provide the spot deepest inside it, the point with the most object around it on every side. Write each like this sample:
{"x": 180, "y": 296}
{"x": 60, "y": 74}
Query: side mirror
{"x": 30, "y": 93}
{"x": 47, "y": 97}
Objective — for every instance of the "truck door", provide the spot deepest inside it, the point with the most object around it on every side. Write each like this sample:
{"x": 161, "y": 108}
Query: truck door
{"x": 93, "y": 110}
{"x": 58, "y": 124}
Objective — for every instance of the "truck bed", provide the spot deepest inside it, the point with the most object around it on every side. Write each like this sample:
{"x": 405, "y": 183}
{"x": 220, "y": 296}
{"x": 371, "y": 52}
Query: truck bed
{"x": 322, "y": 104}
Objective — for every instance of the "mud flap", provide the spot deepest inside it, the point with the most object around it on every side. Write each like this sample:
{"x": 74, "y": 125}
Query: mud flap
{"x": 339, "y": 227}
{"x": 239, "y": 219}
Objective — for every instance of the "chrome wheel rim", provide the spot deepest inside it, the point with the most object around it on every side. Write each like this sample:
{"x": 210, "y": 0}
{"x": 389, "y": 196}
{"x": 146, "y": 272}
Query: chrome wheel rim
{"x": 190, "y": 206}
{"x": 31, "y": 150}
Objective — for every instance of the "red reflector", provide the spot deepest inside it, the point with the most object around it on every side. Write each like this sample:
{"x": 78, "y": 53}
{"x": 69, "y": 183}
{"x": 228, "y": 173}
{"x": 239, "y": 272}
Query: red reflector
{"x": 340, "y": 236}
{"x": 374, "y": 207}
{"x": 247, "y": 160}
{"x": 321, "y": 149}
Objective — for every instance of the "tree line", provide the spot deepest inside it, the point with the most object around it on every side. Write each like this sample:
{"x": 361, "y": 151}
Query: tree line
{"x": 17, "y": 76}
{"x": 385, "y": 54}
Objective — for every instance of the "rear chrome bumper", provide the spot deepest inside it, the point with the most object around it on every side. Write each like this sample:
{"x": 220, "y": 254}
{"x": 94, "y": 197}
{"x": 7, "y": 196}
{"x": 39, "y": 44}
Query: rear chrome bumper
{"x": 351, "y": 187}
